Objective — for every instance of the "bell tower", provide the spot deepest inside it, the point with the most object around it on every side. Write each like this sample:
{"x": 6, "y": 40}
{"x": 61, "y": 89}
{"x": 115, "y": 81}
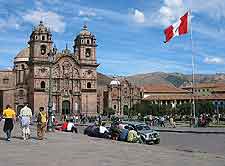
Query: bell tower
{"x": 40, "y": 43}
{"x": 85, "y": 52}
{"x": 85, "y": 46}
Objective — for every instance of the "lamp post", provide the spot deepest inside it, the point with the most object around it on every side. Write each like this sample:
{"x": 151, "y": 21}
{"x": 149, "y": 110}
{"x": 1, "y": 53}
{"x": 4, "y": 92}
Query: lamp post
{"x": 51, "y": 55}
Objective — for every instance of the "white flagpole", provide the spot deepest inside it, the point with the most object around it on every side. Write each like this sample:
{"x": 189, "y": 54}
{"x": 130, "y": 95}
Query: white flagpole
{"x": 193, "y": 71}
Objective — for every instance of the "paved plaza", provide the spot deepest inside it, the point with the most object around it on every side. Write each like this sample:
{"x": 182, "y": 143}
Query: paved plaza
{"x": 75, "y": 149}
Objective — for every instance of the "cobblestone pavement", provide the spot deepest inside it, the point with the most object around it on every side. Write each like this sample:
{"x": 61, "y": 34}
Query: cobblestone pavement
{"x": 75, "y": 149}
{"x": 208, "y": 130}
{"x": 204, "y": 143}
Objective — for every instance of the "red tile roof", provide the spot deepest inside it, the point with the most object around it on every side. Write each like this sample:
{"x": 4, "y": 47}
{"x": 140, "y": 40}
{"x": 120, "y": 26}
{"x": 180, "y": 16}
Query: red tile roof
{"x": 162, "y": 88}
{"x": 185, "y": 97}
{"x": 205, "y": 85}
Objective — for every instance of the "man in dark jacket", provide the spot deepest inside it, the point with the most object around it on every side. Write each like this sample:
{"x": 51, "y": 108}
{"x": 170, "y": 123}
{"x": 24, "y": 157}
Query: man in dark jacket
{"x": 123, "y": 134}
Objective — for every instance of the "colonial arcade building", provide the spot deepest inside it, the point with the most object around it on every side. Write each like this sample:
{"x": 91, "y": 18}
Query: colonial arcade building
{"x": 74, "y": 76}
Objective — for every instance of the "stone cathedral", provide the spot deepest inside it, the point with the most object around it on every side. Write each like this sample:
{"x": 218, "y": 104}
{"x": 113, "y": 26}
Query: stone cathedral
{"x": 74, "y": 76}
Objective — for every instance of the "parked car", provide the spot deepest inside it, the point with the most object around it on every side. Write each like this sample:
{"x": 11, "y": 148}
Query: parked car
{"x": 148, "y": 135}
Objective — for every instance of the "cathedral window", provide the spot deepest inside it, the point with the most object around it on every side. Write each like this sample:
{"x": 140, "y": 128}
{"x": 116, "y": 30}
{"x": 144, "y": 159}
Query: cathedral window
{"x": 21, "y": 93}
{"x": 5, "y": 80}
{"x": 42, "y": 85}
{"x": 114, "y": 107}
{"x": 88, "y": 85}
{"x": 22, "y": 66}
{"x": 88, "y": 52}
{"x": 43, "y": 49}
{"x": 43, "y": 38}
{"x": 36, "y": 37}
{"x": 88, "y": 41}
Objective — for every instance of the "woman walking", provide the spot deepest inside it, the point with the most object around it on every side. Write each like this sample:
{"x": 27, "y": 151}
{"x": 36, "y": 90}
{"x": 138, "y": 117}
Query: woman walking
{"x": 10, "y": 116}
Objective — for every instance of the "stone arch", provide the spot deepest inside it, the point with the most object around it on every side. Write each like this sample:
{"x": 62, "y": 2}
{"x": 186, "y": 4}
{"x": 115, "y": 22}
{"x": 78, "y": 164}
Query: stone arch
{"x": 88, "y": 52}
{"x": 42, "y": 85}
{"x": 88, "y": 85}
{"x": 66, "y": 107}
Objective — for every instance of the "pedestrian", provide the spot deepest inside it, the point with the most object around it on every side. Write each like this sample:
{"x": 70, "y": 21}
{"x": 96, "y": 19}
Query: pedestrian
{"x": 162, "y": 121}
{"x": 10, "y": 117}
{"x": 25, "y": 119}
{"x": 150, "y": 120}
{"x": 99, "y": 120}
{"x": 41, "y": 123}
{"x": 172, "y": 122}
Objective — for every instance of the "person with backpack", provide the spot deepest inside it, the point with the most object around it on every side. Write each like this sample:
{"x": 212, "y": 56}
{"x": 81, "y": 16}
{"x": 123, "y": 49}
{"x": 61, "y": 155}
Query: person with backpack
{"x": 25, "y": 119}
{"x": 41, "y": 123}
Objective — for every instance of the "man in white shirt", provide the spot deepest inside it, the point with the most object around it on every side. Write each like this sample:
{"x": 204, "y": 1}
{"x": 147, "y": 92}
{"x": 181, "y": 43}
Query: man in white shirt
{"x": 103, "y": 130}
{"x": 71, "y": 127}
{"x": 25, "y": 117}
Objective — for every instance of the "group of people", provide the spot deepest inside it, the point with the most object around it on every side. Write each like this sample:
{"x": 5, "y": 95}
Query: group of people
{"x": 160, "y": 121}
{"x": 25, "y": 116}
{"x": 68, "y": 126}
{"x": 120, "y": 132}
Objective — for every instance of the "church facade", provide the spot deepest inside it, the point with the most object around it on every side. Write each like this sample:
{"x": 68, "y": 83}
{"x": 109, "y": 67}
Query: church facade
{"x": 120, "y": 95}
{"x": 74, "y": 76}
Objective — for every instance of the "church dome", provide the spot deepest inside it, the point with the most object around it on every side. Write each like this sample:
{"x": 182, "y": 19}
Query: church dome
{"x": 23, "y": 55}
{"x": 84, "y": 31}
{"x": 41, "y": 28}
{"x": 114, "y": 82}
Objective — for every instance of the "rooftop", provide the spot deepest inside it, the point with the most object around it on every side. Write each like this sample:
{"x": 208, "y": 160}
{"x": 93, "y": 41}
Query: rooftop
{"x": 162, "y": 88}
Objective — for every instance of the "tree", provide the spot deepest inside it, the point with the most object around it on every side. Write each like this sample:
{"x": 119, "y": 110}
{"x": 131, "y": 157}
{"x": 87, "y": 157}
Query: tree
{"x": 109, "y": 112}
{"x": 147, "y": 108}
{"x": 204, "y": 107}
{"x": 183, "y": 109}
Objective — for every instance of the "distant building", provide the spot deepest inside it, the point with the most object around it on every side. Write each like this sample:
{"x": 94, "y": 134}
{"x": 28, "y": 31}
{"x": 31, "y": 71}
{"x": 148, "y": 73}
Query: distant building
{"x": 166, "y": 94}
{"x": 74, "y": 75}
{"x": 169, "y": 94}
{"x": 119, "y": 95}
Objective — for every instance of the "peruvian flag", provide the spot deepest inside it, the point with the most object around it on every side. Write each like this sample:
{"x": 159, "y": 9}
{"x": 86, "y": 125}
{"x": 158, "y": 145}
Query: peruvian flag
{"x": 177, "y": 29}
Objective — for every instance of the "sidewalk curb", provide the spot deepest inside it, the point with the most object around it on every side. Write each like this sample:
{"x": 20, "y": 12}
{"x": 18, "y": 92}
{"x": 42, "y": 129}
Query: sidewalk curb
{"x": 189, "y": 131}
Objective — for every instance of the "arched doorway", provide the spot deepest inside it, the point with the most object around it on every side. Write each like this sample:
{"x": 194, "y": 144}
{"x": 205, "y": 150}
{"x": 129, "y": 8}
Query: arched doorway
{"x": 125, "y": 110}
{"x": 66, "y": 107}
{"x": 19, "y": 107}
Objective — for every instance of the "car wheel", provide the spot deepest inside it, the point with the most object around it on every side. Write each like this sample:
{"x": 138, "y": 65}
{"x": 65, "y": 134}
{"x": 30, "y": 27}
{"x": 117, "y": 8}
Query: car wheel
{"x": 143, "y": 140}
{"x": 157, "y": 141}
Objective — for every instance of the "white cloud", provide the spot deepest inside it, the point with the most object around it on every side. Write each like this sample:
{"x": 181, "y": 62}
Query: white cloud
{"x": 215, "y": 9}
{"x": 171, "y": 11}
{"x": 137, "y": 16}
{"x": 11, "y": 22}
{"x": 87, "y": 13}
{"x": 51, "y": 19}
{"x": 214, "y": 60}
{"x": 167, "y": 14}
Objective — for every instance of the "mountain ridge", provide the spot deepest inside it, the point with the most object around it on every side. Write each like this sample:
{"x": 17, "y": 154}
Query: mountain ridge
{"x": 176, "y": 79}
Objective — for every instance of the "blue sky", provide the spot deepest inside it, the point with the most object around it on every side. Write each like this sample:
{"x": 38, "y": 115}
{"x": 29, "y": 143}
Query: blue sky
{"x": 129, "y": 32}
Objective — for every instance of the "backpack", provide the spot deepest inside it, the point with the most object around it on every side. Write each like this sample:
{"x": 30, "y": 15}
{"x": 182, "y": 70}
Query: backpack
{"x": 43, "y": 117}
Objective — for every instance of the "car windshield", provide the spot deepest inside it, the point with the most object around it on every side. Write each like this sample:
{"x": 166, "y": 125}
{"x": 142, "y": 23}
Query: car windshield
{"x": 143, "y": 127}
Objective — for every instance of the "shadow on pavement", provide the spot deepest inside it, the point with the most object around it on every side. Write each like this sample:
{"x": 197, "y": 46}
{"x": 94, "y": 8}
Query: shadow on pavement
{"x": 20, "y": 138}
{"x": 2, "y": 138}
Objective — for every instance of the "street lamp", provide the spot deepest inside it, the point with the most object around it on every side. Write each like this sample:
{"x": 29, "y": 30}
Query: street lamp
{"x": 51, "y": 55}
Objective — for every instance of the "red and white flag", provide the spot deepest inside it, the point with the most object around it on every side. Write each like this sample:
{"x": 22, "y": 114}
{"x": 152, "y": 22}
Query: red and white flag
{"x": 177, "y": 29}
